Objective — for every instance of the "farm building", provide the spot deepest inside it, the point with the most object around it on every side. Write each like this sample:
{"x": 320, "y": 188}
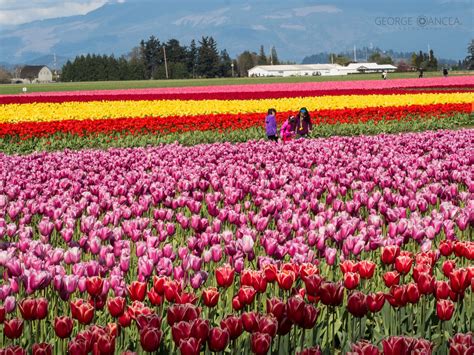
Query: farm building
{"x": 296, "y": 70}
{"x": 319, "y": 69}
{"x": 354, "y": 68}
{"x": 36, "y": 74}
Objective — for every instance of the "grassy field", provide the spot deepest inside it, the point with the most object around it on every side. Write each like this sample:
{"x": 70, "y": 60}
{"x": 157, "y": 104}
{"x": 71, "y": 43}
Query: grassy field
{"x": 141, "y": 84}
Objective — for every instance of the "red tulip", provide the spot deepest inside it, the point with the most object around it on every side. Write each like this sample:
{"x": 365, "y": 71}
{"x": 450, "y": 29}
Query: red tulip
{"x": 284, "y": 326}
{"x": 310, "y": 316}
{"x": 13, "y": 328}
{"x": 63, "y": 327}
{"x": 312, "y": 284}
{"x": 259, "y": 282}
{"x": 426, "y": 284}
{"x": 42, "y": 349}
{"x": 77, "y": 347}
{"x": 442, "y": 290}
{"x": 218, "y": 339}
{"x": 448, "y": 267}
{"x": 246, "y": 294}
{"x": 116, "y": 306}
{"x": 172, "y": 288}
{"x": 150, "y": 338}
{"x": 180, "y": 330}
{"x": 446, "y": 248}
{"x": 233, "y": 325}
{"x": 363, "y": 347}
{"x": 357, "y": 304}
{"x": 82, "y": 311}
{"x": 271, "y": 272}
{"x": 225, "y": 276}
{"x": 413, "y": 293}
{"x": 190, "y": 346}
{"x": 315, "y": 350}
{"x": 403, "y": 264}
{"x": 459, "y": 280}
{"x": 159, "y": 284}
{"x": 395, "y": 345}
{"x": 391, "y": 278}
{"x": 351, "y": 280}
{"x": 27, "y": 308}
{"x": 366, "y": 269}
{"x": 137, "y": 291}
{"x": 41, "y": 308}
{"x": 154, "y": 297}
{"x": 94, "y": 285}
{"x": 113, "y": 329}
{"x": 398, "y": 296}
{"x": 200, "y": 329}
{"x": 389, "y": 254}
{"x": 210, "y": 296}
{"x": 260, "y": 343}
{"x": 375, "y": 301}
{"x": 152, "y": 320}
{"x": 250, "y": 321}
{"x": 349, "y": 266}
{"x": 104, "y": 345}
{"x": 444, "y": 309}
{"x": 295, "y": 307}
{"x": 268, "y": 324}
{"x": 421, "y": 269}
{"x": 276, "y": 307}
{"x": 331, "y": 293}
{"x": 285, "y": 279}
{"x": 2, "y": 314}
{"x": 236, "y": 304}
{"x": 125, "y": 319}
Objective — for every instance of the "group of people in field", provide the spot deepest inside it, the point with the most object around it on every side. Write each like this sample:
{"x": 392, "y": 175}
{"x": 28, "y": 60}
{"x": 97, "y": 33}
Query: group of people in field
{"x": 298, "y": 126}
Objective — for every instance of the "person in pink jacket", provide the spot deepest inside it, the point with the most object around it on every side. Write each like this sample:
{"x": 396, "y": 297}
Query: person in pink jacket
{"x": 287, "y": 131}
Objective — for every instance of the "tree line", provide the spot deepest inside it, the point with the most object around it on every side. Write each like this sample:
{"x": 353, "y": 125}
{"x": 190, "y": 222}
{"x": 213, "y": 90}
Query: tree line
{"x": 153, "y": 59}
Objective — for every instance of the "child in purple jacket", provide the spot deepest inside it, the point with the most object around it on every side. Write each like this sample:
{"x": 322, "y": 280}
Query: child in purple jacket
{"x": 271, "y": 125}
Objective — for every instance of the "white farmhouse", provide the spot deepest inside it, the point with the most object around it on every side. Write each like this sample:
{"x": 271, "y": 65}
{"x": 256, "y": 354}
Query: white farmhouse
{"x": 36, "y": 74}
{"x": 296, "y": 70}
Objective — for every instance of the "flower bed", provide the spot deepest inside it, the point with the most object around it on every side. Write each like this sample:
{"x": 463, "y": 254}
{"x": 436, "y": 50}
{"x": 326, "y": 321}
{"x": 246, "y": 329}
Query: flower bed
{"x": 256, "y": 246}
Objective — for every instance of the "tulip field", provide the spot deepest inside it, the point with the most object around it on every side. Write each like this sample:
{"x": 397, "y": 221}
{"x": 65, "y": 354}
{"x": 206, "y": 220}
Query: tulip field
{"x": 355, "y": 241}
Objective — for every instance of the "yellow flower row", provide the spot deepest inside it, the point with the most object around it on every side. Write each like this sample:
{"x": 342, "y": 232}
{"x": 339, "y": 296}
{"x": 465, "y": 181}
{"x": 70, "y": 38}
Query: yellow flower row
{"x": 44, "y": 112}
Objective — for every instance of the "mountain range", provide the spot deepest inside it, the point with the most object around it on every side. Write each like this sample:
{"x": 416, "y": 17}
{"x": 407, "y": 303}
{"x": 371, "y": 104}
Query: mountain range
{"x": 297, "y": 28}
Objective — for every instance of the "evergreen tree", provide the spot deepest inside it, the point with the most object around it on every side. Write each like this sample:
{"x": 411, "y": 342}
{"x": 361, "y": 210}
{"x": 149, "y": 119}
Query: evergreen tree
{"x": 191, "y": 58}
{"x": 469, "y": 61}
{"x": 262, "y": 58}
{"x": 225, "y": 64}
{"x": 274, "y": 57}
{"x": 208, "y": 58}
{"x": 246, "y": 61}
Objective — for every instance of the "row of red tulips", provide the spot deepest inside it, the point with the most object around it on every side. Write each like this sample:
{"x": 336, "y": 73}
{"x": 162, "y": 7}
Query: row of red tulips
{"x": 224, "y": 122}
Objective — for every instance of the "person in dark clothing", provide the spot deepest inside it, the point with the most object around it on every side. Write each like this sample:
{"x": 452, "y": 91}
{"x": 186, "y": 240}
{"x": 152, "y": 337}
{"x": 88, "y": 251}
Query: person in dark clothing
{"x": 445, "y": 72}
{"x": 271, "y": 125}
{"x": 421, "y": 73}
{"x": 303, "y": 123}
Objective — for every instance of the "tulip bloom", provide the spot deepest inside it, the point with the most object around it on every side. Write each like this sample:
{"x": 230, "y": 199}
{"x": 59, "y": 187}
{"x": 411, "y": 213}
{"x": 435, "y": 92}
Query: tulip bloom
{"x": 357, "y": 304}
{"x": 331, "y": 293}
{"x": 391, "y": 278}
{"x": 403, "y": 264}
{"x": 116, "y": 306}
{"x": 375, "y": 301}
{"x": 63, "y": 327}
{"x": 366, "y": 269}
{"x": 389, "y": 254}
{"x": 351, "y": 280}
{"x": 42, "y": 349}
{"x": 225, "y": 276}
{"x": 233, "y": 325}
{"x": 94, "y": 285}
{"x": 218, "y": 339}
{"x": 210, "y": 297}
{"x": 444, "y": 309}
{"x": 137, "y": 291}
{"x": 150, "y": 338}
{"x": 260, "y": 343}
{"x": 13, "y": 328}
{"x": 285, "y": 279}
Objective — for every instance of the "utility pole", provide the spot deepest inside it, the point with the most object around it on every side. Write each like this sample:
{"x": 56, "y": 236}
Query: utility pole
{"x": 166, "y": 63}
{"x": 271, "y": 55}
{"x": 355, "y": 55}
